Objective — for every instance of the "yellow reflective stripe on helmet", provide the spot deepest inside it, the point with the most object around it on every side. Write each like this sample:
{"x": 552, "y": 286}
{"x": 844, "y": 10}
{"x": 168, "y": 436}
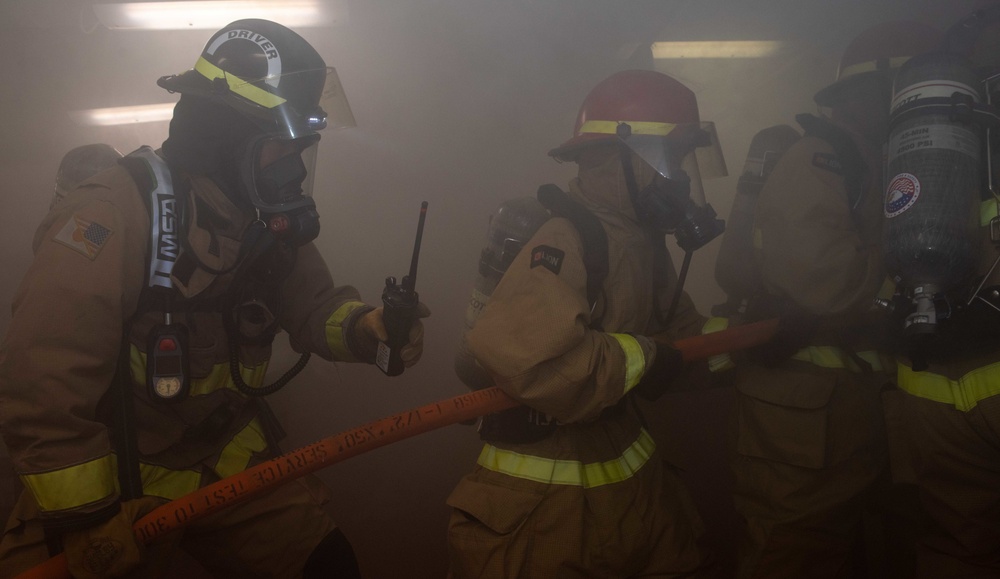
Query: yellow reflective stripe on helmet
{"x": 833, "y": 357}
{"x": 335, "y": 331}
{"x": 239, "y": 86}
{"x": 987, "y": 211}
{"x": 74, "y": 486}
{"x": 638, "y": 127}
{"x": 635, "y": 360}
{"x": 237, "y": 454}
{"x": 963, "y": 393}
{"x": 570, "y": 472}
{"x": 718, "y": 362}
{"x": 871, "y": 66}
{"x": 170, "y": 484}
{"x": 218, "y": 377}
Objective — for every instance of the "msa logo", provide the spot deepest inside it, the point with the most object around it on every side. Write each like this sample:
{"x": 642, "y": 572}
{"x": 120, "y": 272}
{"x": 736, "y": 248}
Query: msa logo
{"x": 167, "y": 246}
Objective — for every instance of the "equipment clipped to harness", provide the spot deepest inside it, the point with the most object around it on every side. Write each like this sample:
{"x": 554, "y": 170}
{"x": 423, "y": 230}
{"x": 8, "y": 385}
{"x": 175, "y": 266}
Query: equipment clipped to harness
{"x": 168, "y": 375}
{"x": 936, "y": 182}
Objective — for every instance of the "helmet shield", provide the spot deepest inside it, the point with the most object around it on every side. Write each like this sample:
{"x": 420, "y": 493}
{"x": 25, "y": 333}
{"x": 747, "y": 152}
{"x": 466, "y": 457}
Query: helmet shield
{"x": 676, "y": 151}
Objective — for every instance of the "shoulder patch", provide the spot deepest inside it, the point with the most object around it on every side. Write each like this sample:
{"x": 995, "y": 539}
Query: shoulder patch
{"x": 548, "y": 257}
{"x": 86, "y": 237}
{"x": 828, "y": 161}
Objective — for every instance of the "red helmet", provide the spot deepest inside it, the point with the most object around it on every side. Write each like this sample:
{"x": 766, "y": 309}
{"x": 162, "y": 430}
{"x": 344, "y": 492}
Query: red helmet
{"x": 879, "y": 50}
{"x": 653, "y": 114}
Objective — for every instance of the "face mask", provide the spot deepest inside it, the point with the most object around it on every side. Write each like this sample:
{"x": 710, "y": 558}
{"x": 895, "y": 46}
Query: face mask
{"x": 662, "y": 204}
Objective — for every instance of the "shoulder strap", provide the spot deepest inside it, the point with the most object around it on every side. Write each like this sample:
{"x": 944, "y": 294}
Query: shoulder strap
{"x": 852, "y": 164}
{"x": 595, "y": 240}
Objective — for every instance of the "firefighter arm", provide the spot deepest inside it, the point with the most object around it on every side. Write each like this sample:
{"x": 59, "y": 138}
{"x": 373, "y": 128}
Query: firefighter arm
{"x": 534, "y": 340}
{"x": 811, "y": 248}
{"x": 321, "y": 317}
{"x": 59, "y": 359}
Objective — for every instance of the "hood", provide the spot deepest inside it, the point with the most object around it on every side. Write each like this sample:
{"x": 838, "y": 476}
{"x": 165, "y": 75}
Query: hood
{"x": 600, "y": 183}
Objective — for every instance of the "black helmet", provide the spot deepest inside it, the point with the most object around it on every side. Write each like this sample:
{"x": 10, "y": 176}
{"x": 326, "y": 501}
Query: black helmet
{"x": 271, "y": 75}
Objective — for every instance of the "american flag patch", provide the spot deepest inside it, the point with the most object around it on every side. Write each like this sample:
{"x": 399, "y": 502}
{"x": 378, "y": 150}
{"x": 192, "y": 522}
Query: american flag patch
{"x": 84, "y": 236}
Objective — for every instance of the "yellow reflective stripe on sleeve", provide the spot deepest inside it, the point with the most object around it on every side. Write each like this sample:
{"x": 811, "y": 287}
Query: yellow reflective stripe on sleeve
{"x": 74, "y": 486}
{"x": 170, "y": 484}
{"x": 335, "y": 331}
{"x": 570, "y": 472}
{"x": 237, "y": 454}
{"x": 218, "y": 377}
{"x": 871, "y": 66}
{"x": 635, "y": 360}
{"x": 637, "y": 127}
{"x": 239, "y": 86}
{"x": 833, "y": 357}
{"x": 987, "y": 211}
{"x": 718, "y": 362}
{"x": 963, "y": 393}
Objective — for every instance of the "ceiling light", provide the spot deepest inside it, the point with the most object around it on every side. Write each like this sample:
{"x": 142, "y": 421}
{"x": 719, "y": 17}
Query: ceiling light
{"x": 124, "y": 115}
{"x": 717, "y": 49}
{"x": 213, "y": 15}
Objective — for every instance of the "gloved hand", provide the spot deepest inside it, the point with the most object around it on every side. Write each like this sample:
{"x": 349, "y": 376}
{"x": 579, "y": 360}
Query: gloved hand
{"x": 109, "y": 549}
{"x": 796, "y": 328}
{"x": 668, "y": 363}
{"x": 371, "y": 330}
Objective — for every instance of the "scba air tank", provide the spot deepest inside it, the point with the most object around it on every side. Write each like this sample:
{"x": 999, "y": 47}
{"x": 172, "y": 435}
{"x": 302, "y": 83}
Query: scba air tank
{"x": 511, "y": 226}
{"x": 933, "y": 178}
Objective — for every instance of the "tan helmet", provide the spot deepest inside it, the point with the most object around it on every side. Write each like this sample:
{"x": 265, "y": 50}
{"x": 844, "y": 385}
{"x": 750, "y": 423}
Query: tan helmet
{"x": 879, "y": 51}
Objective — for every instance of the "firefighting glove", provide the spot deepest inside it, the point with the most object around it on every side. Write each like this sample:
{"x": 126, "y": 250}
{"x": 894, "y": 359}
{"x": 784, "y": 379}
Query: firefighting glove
{"x": 667, "y": 364}
{"x": 109, "y": 549}
{"x": 370, "y": 330}
{"x": 796, "y": 328}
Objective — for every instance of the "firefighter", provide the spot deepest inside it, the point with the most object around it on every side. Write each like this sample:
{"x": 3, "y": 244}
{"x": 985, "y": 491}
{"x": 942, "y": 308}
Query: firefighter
{"x": 951, "y": 407}
{"x": 810, "y": 443}
{"x": 571, "y": 485}
{"x": 134, "y": 365}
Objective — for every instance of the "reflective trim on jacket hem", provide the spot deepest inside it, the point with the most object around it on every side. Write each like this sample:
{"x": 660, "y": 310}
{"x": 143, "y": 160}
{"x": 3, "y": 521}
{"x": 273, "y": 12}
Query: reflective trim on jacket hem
{"x": 963, "y": 394}
{"x": 74, "y": 486}
{"x": 236, "y": 455}
{"x": 335, "y": 331}
{"x": 635, "y": 360}
{"x": 570, "y": 472}
{"x": 833, "y": 357}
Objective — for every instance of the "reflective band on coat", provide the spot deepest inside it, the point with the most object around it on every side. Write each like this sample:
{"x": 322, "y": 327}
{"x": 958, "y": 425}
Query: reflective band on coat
{"x": 635, "y": 360}
{"x": 335, "y": 331}
{"x": 570, "y": 472}
{"x": 237, "y": 454}
{"x": 963, "y": 393}
{"x": 218, "y": 377}
{"x": 239, "y": 86}
{"x": 169, "y": 484}
{"x": 833, "y": 357}
{"x": 872, "y": 66}
{"x": 987, "y": 211}
{"x": 74, "y": 486}
{"x": 637, "y": 127}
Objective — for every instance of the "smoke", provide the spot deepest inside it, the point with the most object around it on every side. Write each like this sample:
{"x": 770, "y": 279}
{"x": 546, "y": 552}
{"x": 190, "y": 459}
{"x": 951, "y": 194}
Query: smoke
{"x": 457, "y": 102}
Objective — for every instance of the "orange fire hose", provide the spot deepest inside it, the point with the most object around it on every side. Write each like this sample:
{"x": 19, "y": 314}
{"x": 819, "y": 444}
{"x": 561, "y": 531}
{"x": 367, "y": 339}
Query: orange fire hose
{"x": 339, "y": 447}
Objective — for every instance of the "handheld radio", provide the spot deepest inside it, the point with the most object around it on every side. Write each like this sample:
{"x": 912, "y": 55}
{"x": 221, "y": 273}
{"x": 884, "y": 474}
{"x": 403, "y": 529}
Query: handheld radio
{"x": 399, "y": 303}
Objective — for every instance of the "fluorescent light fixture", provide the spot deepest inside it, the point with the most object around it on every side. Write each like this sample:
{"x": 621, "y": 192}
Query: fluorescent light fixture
{"x": 216, "y": 14}
{"x": 124, "y": 115}
{"x": 717, "y": 49}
